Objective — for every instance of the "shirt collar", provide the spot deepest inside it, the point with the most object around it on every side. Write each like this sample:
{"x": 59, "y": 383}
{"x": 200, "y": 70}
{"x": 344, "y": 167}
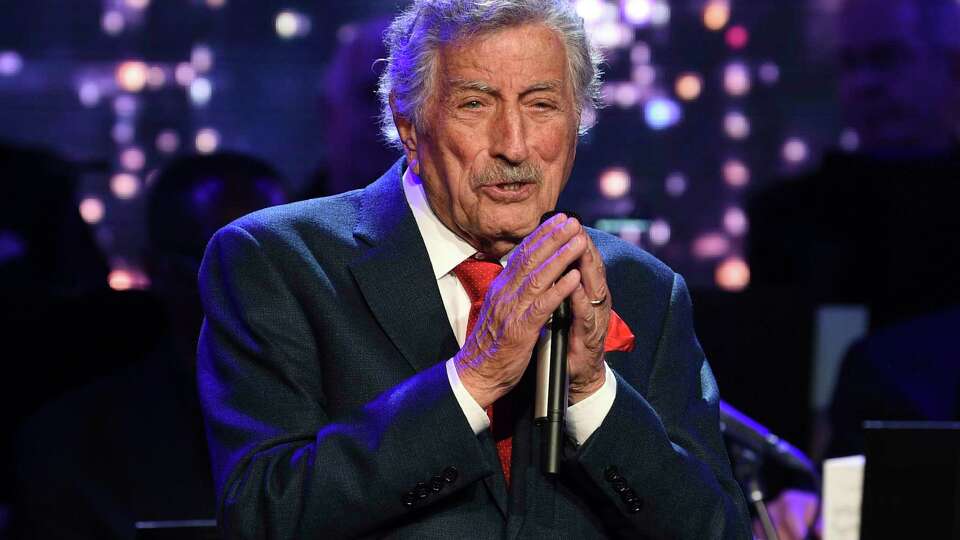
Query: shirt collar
{"x": 445, "y": 249}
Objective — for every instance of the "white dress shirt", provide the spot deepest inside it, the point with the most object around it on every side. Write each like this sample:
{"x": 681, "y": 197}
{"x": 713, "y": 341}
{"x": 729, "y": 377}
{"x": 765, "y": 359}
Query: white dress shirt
{"x": 446, "y": 250}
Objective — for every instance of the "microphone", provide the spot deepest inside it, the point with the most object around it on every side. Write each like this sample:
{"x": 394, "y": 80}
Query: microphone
{"x": 750, "y": 434}
{"x": 550, "y": 403}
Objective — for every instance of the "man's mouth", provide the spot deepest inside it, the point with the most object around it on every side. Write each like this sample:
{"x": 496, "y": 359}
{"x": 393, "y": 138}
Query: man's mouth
{"x": 508, "y": 192}
{"x": 511, "y": 186}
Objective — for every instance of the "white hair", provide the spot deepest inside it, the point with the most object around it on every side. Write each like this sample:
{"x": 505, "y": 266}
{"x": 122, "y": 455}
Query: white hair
{"x": 415, "y": 36}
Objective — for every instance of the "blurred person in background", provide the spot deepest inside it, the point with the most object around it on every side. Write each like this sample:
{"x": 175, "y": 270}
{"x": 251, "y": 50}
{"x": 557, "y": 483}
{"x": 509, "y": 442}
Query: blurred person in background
{"x": 879, "y": 226}
{"x": 45, "y": 248}
{"x": 350, "y": 109}
{"x": 130, "y": 446}
{"x": 51, "y": 272}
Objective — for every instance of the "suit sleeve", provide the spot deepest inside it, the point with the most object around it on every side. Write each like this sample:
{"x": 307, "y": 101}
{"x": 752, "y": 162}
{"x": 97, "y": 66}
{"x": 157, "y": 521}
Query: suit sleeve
{"x": 658, "y": 457}
{"x": 283, "y": 466}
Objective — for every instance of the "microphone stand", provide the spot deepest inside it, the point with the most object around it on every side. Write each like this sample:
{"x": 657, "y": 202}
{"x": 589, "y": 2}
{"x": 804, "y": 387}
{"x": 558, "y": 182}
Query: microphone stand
{"x": 747, "y": 470}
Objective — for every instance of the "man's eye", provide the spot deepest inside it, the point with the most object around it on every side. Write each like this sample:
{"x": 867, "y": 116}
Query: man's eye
{"x": 472, "y": 104}
{"x": 544, "y": 105}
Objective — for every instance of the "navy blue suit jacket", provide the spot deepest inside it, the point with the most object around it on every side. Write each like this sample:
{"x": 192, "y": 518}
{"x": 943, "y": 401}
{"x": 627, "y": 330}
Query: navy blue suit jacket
{"x": 322, "y": 380}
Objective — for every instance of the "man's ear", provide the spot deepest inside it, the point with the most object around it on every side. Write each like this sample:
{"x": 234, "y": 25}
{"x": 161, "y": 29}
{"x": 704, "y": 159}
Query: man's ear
{"x": 408, "y": 136}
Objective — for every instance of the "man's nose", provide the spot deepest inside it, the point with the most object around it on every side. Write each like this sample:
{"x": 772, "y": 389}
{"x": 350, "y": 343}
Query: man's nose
{"x": 509, "y": 135}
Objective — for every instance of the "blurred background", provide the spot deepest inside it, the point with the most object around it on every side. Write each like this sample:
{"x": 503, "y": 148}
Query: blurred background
{"x": 720, "y": 120}
{"x": 704, "y": 101}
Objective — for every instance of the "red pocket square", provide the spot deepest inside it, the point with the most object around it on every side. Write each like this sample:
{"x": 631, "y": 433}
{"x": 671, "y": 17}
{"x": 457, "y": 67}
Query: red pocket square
{"x": 619, "y": 336}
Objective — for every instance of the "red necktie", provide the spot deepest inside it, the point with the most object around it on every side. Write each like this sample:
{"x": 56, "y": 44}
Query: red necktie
{"x": 476, "y": 274}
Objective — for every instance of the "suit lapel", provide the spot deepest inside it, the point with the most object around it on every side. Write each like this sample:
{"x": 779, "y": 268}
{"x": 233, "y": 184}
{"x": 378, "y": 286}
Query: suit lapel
{"x": 395, "y": 276}
{"x": 396, "y": 279}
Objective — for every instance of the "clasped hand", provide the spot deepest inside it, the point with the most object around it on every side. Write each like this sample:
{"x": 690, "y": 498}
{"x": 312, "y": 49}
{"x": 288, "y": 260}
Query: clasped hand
{"x": 521, "y": 300}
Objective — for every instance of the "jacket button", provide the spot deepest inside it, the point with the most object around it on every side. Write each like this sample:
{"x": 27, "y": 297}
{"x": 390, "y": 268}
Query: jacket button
{"x": 436, "y": 484}
{"x": 450, "y": 475}
{"x": 629, "y": 496}
{"x": 635, "y": 507}
{"x": 620, "y": 485}
{"x": 409, "y": 499}
{"x": 611, "y": 473}
{"x": 422, "y": 490}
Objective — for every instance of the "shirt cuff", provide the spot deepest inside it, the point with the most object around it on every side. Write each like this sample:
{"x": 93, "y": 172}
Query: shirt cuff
{"x": 476, "y": 416}
{"x": 586, "y": 416}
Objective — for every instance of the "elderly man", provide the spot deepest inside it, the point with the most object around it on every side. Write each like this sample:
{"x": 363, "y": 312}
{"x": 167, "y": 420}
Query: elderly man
{"x": 353, "y": 344}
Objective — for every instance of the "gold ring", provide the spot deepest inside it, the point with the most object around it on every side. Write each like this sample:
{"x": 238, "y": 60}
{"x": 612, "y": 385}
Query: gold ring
{"x": 598, "y": 302}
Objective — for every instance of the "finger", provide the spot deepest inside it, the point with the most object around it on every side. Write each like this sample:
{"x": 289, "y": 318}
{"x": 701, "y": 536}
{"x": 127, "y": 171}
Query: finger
{"x": 535, "y": 250}
{"x": 594, "y": 272}
{"x": 544, "y": 276}
{"x": 543, "y": 306}
{"x": 544, "y": 228}
{"x": 589, "y": 323}
{"x": 583, "y": 312}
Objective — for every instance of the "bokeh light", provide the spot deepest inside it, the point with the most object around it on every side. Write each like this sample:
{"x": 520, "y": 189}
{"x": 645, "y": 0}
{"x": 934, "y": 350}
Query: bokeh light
{"x": 120, "y": 280}
{"x": 689, "y": 86}
{"x": 201, "y": 58}
{"x": 662, "y": 113}
{"x": 10, "y": 63}
{"x": 112, "y": 22}
{"x": 710, "y": 245}
{"x": 660, "y": 14}
{"x": 133, "y": 159}
{"x": 732, "y": 274}
{"x": 89, "y": 94}
{"x": 125, "y": 105}
{"x": 156, "y": 77}
{"x": 769, "y": 73}
{"x": 168, "y": 141}
{"x": 626, "y": 95}
{"x": 184, "y": 74}
{"x": 631, "y": 233}
{"x": 92, "y": 210}
{"x": 659, "y": 232}
{"x": 640, "y": 53}
{"x": 124, "y": 186}
{"x": 736, "y": 79}
{"x": 736, "y": 125}
{"x": 737, "y": 37}
{"x": 735, "y": 221}
{"x": 207, "y": 140}
{"x": 590, "y": 10}
{"x": 124, "y": 279}
{"x": 795, "y": 151}
{"x": 137, "y": 4}
{"x": 611, "y": 35}
{"x": 736, "y": 173}
{"x": 200, "y": 91}
{"x": 132, "y": 75}
{"x": 675, "y": 184}
{"x": 637, "y": 12}
{"x": 849, "y": 140}
{"x": 716, "y": 14}
{"x": 292, "y": 24}
{"x": 216, "y": 4}
{"x": 644, "y": 75}
{"x": 614, "y": 183}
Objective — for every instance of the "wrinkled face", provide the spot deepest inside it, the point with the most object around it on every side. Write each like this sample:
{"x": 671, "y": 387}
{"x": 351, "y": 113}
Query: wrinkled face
{"x": 897, "y": 90}
{"x": 498, "y": 136}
